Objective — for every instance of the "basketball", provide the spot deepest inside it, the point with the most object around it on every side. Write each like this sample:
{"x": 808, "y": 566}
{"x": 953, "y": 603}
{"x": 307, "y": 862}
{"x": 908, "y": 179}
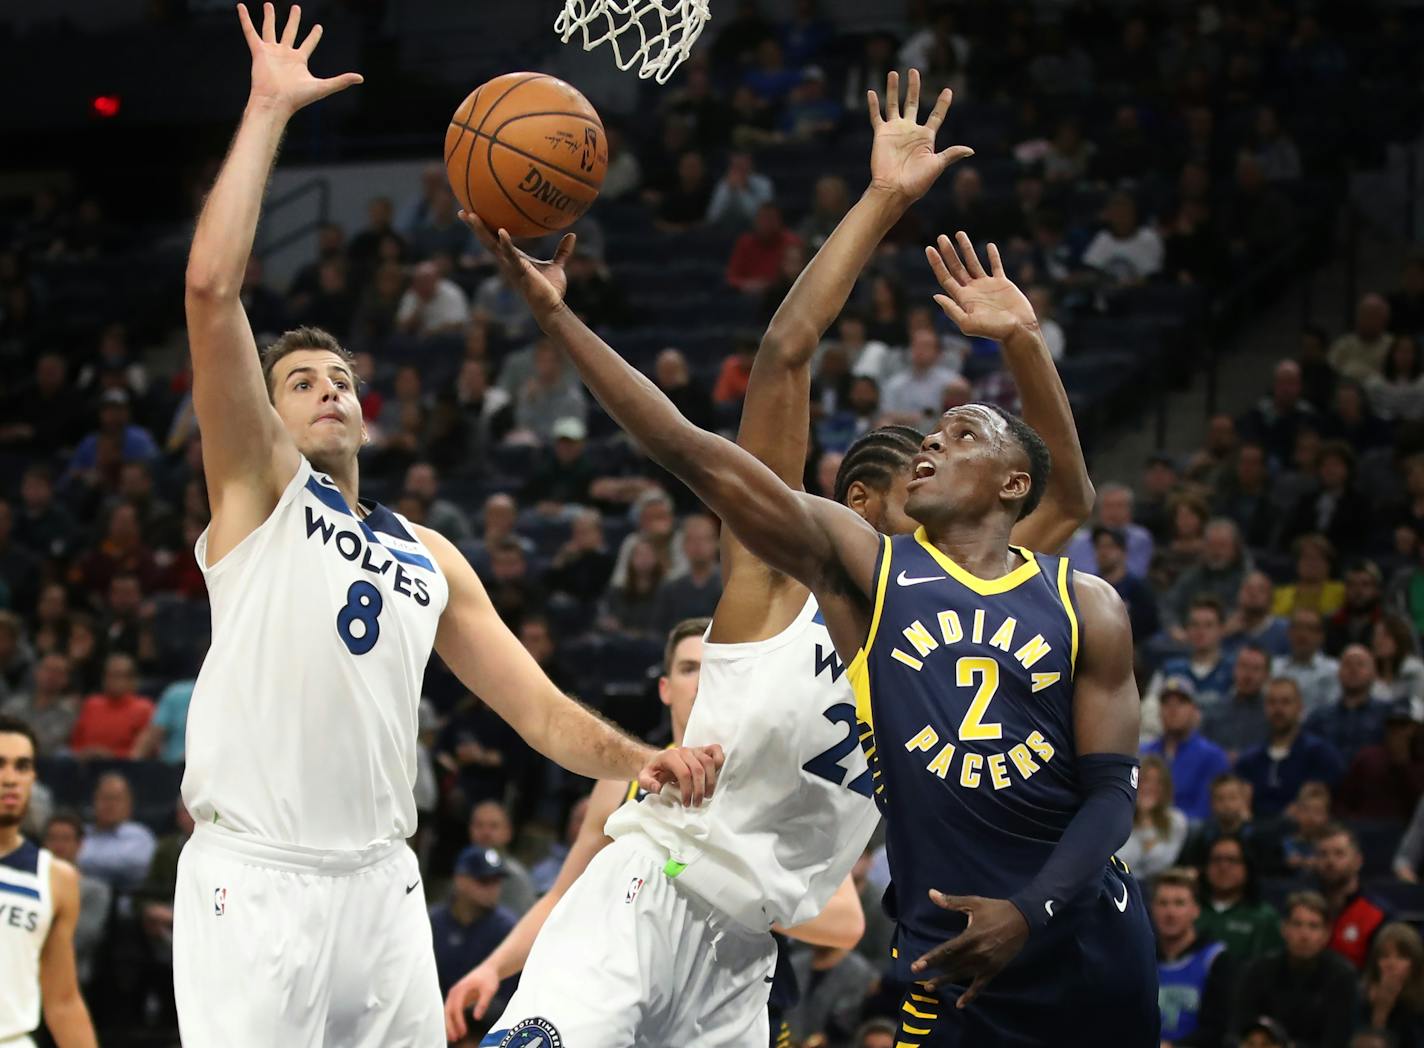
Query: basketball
{"x": 526, "y": 152}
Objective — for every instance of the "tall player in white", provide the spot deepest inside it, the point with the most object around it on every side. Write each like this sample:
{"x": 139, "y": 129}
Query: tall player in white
{"x": 298, "y": 919}
{"x": 684, "y": 957}
{"x": 39, "y": 904}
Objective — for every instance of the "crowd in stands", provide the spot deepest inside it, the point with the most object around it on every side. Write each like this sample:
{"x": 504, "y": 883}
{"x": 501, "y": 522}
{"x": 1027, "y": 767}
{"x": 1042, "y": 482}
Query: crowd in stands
{"x": 1274, "y": 578}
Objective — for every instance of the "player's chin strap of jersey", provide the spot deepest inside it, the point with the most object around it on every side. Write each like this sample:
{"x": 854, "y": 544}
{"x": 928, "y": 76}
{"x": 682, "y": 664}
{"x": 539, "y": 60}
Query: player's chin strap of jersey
{"x": 1101, "y": 826}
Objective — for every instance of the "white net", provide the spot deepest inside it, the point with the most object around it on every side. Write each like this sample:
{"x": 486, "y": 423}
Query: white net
{"x": 655, "y": 35}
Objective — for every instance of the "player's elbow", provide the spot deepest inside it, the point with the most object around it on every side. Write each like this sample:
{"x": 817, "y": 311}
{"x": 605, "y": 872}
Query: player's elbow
{"x": 789, "y": 342}
{"x": 851, "y": 929}
{"x": 1079, "y": 501}
{"x": 204, "y": 284}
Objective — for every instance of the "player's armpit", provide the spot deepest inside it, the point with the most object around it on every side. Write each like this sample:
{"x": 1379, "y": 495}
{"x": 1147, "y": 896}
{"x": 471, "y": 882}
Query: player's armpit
{"x": 1107, "y": 710}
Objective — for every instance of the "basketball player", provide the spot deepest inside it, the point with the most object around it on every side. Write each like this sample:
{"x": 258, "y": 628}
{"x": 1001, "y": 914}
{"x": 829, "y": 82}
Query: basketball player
{"x": 771, "y": 682}
{"x": 840, "y": 924}
{"x": 298, "y": 916}
{"x": 1014, "y": 806}
{"x": 39, "y": 905}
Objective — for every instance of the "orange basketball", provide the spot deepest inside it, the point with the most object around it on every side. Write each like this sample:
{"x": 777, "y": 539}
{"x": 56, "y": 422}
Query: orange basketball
{"x": 526, "y": 152}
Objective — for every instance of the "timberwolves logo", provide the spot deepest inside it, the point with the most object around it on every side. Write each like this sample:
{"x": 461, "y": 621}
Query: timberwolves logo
{"x": 533, "y": 1033}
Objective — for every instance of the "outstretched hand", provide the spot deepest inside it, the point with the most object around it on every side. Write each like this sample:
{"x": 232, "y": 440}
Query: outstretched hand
{"x": 541, "y": 283}
{"x": 475, "y": 992}
{"x": 995, "y": 934}
{"x": 280, "y": 77}
{"x": 903, "y": 158}
{"x": 988, "y": 305}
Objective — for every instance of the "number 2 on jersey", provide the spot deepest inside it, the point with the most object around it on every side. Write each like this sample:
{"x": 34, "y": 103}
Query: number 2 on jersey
{"x": 363, "y": 605}
{"x": 987, "y": 670}
{"x": 827, "y": 764}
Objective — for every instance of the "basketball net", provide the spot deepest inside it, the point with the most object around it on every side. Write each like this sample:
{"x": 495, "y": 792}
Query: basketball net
{"x": 655, "y": 35}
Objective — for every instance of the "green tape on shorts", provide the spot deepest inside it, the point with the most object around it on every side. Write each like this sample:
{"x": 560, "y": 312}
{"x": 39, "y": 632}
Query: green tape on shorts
{"x": 672, "y": 868}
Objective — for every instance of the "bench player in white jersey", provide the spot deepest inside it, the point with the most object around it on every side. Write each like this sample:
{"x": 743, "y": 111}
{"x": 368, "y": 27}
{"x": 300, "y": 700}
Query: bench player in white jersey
{"x": 793, "y": 810}
{"x": 39, "y": 905}
{"x": 299, "y": 916}
{"x": 840, "y": 924}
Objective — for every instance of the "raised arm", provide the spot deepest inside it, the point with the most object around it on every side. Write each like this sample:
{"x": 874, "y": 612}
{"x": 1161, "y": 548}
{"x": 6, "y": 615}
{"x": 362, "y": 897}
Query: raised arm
{"x": 1105, "y": 730}
{"x": 776, "y": 415}
{"x": 815, "y": 541}
{"x": 489, "y": 660}
{"x": 990, "y": 305}
{"x": 247, "y": 455}
{"x": 479, "y": 986}
{"x": 64, "y": 1011}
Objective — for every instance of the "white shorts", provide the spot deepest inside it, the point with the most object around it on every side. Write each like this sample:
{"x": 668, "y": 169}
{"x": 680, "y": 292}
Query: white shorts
{"x": 629, "y": 959}
{"x": 278, "y": 945}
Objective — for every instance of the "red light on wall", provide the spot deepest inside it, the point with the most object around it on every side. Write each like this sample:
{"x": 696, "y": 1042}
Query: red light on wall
{"x": 106, "y": 106}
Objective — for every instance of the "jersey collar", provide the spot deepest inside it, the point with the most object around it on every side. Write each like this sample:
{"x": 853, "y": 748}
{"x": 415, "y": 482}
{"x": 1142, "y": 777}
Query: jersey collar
{"x": 984, "y": 587}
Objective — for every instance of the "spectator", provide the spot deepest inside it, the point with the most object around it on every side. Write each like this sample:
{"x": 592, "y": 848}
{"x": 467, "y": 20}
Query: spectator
{"x": 478, "y": 748}
{"x": 834, "y": 984}
{"x": 1238, "y": 722}
{"x": 1115, "y": 510}
{"x": 1159, "y": 829}
{"x": 1193, "y": 972}
{"x": 830, "y": 200}
{"x": 160, "y": 888}
{"x": 1258, "y": 214}
{"x": 1290, "y": 757}
{"x": 592, "y": 291}
{"x": 1127, "y": 252}
{"x": 1251, "y": 620}
{"x": 1193, "y": 760}
{"x": 1353, "y": 420}
{"x": 1354, "y": 623}
{"x": 134, "y": 443}
{"x": 330, "y": 247}
{"x": 1233, "y": 914}
{"x": 1277, "y": 419}
{"x": 694, "y": 592}
{"x": 121, "y": 551}
{"x": 1068, "y": 158}
{"x": 1213, "y": 461}
{"x": 47, "y": 411}
{"x": 49, "y": 707}
{"x": 624, "y": 175}
{"x": 334, "y": 303}
{"x": 1315, "y": 673}
{"x": 116, "y": 849}
{"x": 1354, "y": 917}
{"x": 486, "y": 412}
{"x": 675, "y": 379}
{"x": 685, "y": 204}
{"x": 875, "y": 1033}
{"x": 582, "y": 566}
{"x": 1265, "y": 1032}
{"x": 1353, "y": 719}
{"x": 1408, "y": 863}
{"x": 499, "y": 309}
{"x": 1399, "y": 672}
{"x": 490, "y": 828}
{"x": 756, "y": 256}
{"x": 769, "y": 78}
{"x": 1309, "y": 818}
{"x": 512, "y": 591}
{"x": 1385, "y": 780}
{"x": 1313, "y": 587}
{"x": 1397, "y": 393}
{"x": 546, "y": 871}
{"x": 64, "y": 838}
{"x": 1393, "y": 999}
{"x": 468, "y": 926}
{"x": 915, "y": 395}
{"x": 111, "y": 722}
{"x": 128, "y": 629}
{"x": 165, "y": 735}
{"x": 1335, "y": 509}
{"x": 739, "y": 194}
{"x": 1042, "y": 299}
{"x": 549, "y": 396}
{"x": 1188, "y": 513}
{"x": 432, "y": 305}
{"x": 736, "y": 372}
{"x": 1231, "y": 816}
{"x": 1275, "y": 151}
{"x": 631, "y": 606}
{"x": 1110, "y": 552}
{"x": 1219, "y": 574}
{"x": 442, "y": 233}
{"x": 1206, "y": 665}
{"x": 39, "y": 522}
{"x": 365, "y": 248}
{"x": 1305, "y": 988}
{"x": 441, "y": 515}
{"x": 1243, "y": 494}
{"x": 1360, "y": 353}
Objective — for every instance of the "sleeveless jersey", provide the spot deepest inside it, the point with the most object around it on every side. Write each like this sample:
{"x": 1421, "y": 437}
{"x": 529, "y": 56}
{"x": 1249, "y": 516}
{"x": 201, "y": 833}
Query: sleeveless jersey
{"x": 792, "y": 810}
{"x": 303, "y": 724}
{"x": 1179, "y": 989}
{"x": 26, "y": 909}
{"x": 964, "y": 690}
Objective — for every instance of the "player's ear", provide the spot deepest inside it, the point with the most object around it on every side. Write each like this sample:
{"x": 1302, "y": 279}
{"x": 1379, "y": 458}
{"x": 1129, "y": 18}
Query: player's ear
{"x": 663, "y": 691}
{"x": 1017, "y": 485}
{"x": 862, "y": 498}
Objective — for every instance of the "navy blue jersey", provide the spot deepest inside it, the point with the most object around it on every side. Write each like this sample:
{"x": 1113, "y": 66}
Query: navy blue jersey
{"x": 964, "y": 691}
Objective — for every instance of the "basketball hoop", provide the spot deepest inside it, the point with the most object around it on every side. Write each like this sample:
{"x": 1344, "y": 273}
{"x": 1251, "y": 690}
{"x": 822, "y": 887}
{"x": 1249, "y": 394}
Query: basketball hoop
{"x": 655, "y": 35}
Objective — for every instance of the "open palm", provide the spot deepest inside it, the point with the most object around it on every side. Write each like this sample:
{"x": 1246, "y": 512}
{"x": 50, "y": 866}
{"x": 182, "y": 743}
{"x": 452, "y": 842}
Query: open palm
{"x": 280, "y": 76}
{"x": 903, "y": 157}
{"x": 988, "y": 305}
{"x": 540, "y": 283}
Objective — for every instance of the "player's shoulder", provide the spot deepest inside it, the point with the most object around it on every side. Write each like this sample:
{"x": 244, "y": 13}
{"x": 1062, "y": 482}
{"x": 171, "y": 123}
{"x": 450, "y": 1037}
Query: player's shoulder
{"x": 63, "y": 879}
{"x": 1096, "y": 596}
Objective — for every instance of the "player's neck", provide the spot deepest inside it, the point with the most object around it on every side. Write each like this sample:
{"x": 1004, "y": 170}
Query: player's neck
{"x": 1179, "y": 944}
{"x": 10, "y": 839}
{"x": 347, "y": 478}
{"x": 980, "y": 547}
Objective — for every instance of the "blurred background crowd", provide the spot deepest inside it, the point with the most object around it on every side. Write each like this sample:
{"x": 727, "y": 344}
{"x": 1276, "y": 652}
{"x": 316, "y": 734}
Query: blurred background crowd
{"x": 1154, "y": 175}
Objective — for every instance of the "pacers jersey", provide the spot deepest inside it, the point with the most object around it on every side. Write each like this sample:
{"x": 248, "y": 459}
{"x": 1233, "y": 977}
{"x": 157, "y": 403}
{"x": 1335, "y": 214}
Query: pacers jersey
{"x": 964, "y": 693}
{"x": 26, "y": 909}
{"x": 303, "y": 723}
{"x": 792, "y": 810}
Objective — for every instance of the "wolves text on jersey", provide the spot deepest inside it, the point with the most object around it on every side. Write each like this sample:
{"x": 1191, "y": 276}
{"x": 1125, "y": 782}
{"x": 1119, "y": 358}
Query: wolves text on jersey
{"x": 350, "y": 544}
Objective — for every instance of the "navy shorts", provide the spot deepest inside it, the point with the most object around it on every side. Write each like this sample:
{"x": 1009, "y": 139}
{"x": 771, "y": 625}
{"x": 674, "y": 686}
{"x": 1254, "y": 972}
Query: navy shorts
{"x": 1091, "y": 984}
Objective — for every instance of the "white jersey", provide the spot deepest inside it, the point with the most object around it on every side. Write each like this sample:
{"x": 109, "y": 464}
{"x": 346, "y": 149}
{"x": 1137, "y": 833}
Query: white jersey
{"x": 26, "y": 910}
{"x": 303, "y": 724}
{"x": 792, "y": 810}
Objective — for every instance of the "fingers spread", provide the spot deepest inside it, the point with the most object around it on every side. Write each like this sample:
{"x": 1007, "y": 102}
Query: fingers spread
{"x": 294, "y": 21}
{"x": 971, "y": 260}
{"x": 872, "y": 102}
{"x": 996, "y": 264}
{"x": 269, "y": 23}
{"x": 980, "y": 981}
{"x": 313, "y": 38}
{"x": 565, "y": 249}
{"x": 892, "y": 96}
{"x": 912, "y": 96}
{"x": 952, "y": 310}
{"x": 953, "y": 155}
{"x": 940, "y": 110}
{"x": 245, "y": 20}
{"x": 952, "y": 262}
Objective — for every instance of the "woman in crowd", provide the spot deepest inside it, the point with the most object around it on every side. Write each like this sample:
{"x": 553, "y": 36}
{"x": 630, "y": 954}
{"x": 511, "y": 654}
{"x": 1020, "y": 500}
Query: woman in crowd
{"x": 1159, "y": 829}
{"x": 1399, "y": 670}
{"x": 1393, "y": 995}
{"x": 631, "y": 605}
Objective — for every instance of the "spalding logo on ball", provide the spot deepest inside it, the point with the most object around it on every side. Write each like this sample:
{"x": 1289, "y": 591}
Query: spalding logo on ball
{"x": 527, "y": 153}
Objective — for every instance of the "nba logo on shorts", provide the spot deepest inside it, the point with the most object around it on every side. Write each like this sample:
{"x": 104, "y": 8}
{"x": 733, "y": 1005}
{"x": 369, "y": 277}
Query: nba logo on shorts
{"x": 1134, "y": 778}
{"x": 634, "y": 887}
{"x": 219, "y": 901}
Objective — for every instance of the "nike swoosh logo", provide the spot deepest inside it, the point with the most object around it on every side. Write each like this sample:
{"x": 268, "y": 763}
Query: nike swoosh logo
{"x": 412, "y": 887}
{"x": 905, "y": 580}
{"x": 1121, "y": 904}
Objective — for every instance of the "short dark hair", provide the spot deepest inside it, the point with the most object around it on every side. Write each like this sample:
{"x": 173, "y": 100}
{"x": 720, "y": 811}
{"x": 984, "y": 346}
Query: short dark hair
{"x": 66, "y": 817}
{"x": 1312, "y": 901}
{"x": 1040, "y": 459}
{"x": 679, "y": 633}
{"x": 1115, "y": 534}
{"x": 1339, "y": 829}
{"x": 875, "y": 457}
{"x": 299, "y": 338}
{"x": 1208, "y": 602}
{"x": 15, "y": 726}
{"x": 1251, "y": 645}
{"x": 1176, "y": 877}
